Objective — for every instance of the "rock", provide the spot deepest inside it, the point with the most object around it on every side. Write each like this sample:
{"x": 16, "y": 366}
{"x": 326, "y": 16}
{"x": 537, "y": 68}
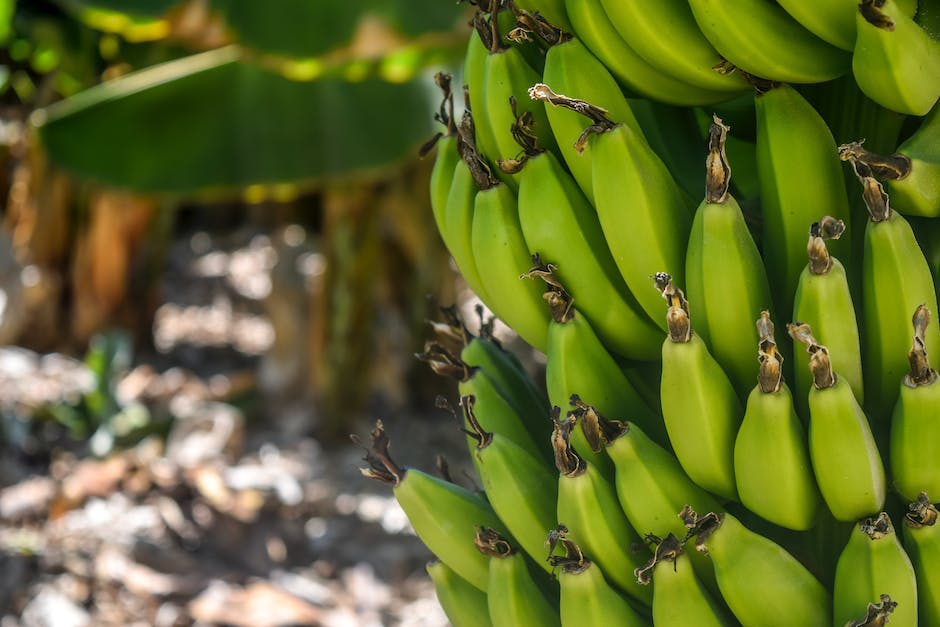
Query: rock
{"x": 27, "y": 499}
{"x": 51, "y": 608}
{"x": 259, "y": 604}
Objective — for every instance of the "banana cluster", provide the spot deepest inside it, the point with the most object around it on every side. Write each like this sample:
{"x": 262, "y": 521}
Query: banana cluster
{"x": 681, "y": 464}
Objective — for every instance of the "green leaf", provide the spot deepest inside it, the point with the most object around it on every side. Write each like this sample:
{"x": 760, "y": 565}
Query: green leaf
{"x": 213, "y": 121}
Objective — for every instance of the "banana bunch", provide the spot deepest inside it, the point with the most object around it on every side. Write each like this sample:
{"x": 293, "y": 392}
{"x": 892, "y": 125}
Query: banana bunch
{"x": 659, "y": 473}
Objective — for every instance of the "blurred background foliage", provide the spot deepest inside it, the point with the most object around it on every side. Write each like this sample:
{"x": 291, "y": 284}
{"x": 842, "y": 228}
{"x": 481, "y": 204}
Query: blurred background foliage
{"x": 128, "y": 125}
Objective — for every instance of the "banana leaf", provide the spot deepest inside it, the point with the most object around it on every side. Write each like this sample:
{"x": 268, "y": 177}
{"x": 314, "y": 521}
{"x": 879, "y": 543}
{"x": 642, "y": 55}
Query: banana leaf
{"x": 215, "y": 121}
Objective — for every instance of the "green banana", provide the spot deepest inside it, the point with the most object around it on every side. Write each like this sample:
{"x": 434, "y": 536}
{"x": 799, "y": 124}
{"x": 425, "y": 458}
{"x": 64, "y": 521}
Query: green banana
{"x": 560, "y": 225}
{"x": 921, "y": 535}
{"x": 501, "y": 255}
{"x": 915, "y": 423}
{"x": 571, "y": 68}
{"x": 631, "y": 70}
{"x": 917, "y": 193}
{"x": 578, "y": 364}
{"x": 912, "y": 174}
{"x": 484, "y": 351}
{"x": 474, "y": 80}
{"x": 760, "y": 581}
{"x": 588, "y": 507}
{"x": 650, "y": 483}
{"x": 519, "y": 486}
{"x": 679, "y": 598}
{"x": 464, "y": 604}
{"x": 725, "y": 277}
{"x": 587, "y": 600}
{"x": 657, "y": 215}
{"x": 895, "y": 280}
{"x": 498, "y": 412}
{"x": 771, "y": 465}
{"x": 895, "y": 62}
{"x": 700, "y": 408}
{"x": 848, "y": 467}
{"x": 799, "y": 171}
{"x": 514, "y": 596}
{"x": 471, "y": 174}
{"x": 873, "y": 563}
{"x": 443, "y": 514}
{"x": 762, "y": 39}
{"x": 442, "y": 173}
{"x": 666, "y": 35}
{"x": 508, "y": 76}
{"x": 833, "y": 20}
{"x": 824, "y": 302}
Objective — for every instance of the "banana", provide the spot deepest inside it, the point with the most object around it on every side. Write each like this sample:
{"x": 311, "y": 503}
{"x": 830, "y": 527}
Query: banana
{"x": 833, "y": 20}
{"x": 445, "y": 163}
{"x": 679, "y": 598}
{"x": 725, "y": 277}
{"x": 651, "y": 485}
{"x": 464, "y": 604}
{"x": 514, "y": 595}
{"x": 443, "y": 514}
{"x": 666, "y": 35}
{"x": 873, "y": 563}
{"x": 895, "y": 62}
{"x": 474, "y": 80}
{"x": 700, "y": 408}
{"x": 587, "y": 600}
{"x": 912, "y": 174}
{"x": 915, "y": 431}
{"x": 593, "y": 27}
{"x": 560, "y": 225}
{"x": 799, "y": 171}
{"x": 921, "y": 535}
{"x": 762, "y": 39}
{"x": 588, "y": 507}
{"x": 917, "y": 193}
{"x": 508, "y": 76}
{"x": 484, "y": 351}
{"x": 771, "y": 465}
{"x": 760, "y": 581}
{"x": 846, "y": 462}
{"x": 501, "y": 255}
{"x": 895, "y": 280}
{"x": 571, "y": 68}
{"x": 499, "y": 413}
{"x": 471, "y": 174}
{"x": 625, "y": 167}
{"x": 578, "y": 364}
{"x": 519, "y": 486}
{"x": 823, "y": 300}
